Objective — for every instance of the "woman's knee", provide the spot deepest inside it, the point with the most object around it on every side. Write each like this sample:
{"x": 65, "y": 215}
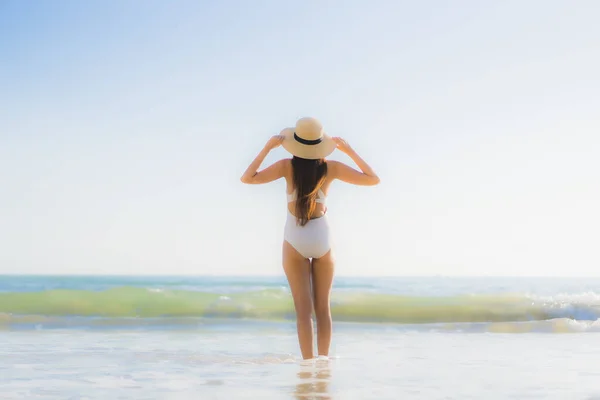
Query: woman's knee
{"x": 304, "y": 311}
{"x": 322, "y": 311}
{"x": 304, "y": 318}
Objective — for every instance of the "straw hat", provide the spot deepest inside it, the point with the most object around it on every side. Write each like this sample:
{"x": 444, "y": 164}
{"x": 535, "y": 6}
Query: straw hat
{"x": 307, "y": 140}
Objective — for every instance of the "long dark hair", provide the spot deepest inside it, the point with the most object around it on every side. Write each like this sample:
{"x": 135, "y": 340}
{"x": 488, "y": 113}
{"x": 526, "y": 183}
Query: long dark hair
{"x": 309, "y": 176}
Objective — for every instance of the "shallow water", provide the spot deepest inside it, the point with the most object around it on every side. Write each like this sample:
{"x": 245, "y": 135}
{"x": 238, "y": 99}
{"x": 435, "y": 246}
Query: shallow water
{"x": 482, "y": 339}
{"x": 260, "y": 362}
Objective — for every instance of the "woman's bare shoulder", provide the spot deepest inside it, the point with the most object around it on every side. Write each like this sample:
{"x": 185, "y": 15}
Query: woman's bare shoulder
{"x": 333, "y": 164}
{"x": 286, "y": 164}
{"x": 344, "y": 172}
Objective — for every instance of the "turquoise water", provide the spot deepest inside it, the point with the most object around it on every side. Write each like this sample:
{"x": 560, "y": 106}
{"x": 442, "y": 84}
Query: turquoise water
{"x": 229, "y": 338}
{"x": 501, "y": 303}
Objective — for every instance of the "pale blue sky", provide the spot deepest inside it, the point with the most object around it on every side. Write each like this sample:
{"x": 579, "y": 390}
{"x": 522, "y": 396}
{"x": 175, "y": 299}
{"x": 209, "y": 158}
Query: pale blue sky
{"x": 125, "y": 126}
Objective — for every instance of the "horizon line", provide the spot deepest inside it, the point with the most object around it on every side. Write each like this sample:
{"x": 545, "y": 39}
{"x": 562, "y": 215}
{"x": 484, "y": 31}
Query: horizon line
{"x": 282, "y": 275}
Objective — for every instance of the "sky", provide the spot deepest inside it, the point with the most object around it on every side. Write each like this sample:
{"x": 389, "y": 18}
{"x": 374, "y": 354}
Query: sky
{"x": 125, "y": 127}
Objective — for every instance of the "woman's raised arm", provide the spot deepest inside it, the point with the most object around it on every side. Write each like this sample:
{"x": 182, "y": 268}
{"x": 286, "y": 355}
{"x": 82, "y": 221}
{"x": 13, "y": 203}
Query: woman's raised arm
{"x": 341, "y": 171}
{"x": 269, "y": 174}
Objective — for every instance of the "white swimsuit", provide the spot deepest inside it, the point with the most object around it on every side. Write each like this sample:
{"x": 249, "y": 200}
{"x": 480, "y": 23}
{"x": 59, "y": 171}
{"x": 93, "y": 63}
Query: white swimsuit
{"x": 311, "y": 240}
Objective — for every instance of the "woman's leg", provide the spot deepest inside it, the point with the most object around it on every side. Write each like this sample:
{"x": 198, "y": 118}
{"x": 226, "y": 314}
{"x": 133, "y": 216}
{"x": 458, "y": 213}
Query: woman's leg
{"x": 297, "y": 270}
{"x": 322, "y": 280}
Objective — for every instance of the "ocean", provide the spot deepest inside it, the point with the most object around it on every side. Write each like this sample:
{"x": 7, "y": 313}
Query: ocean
{"x": 113, "y": 337}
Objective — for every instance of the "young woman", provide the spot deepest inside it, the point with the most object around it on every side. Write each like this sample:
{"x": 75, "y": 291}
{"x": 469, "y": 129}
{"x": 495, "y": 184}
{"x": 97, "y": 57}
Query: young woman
{"x": 307, "y": 255}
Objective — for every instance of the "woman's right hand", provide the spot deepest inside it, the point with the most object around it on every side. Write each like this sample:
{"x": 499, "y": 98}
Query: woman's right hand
{"x": 342, "y": 145}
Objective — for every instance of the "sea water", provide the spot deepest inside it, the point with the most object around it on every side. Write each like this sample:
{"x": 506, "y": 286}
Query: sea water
{"x": 75, "y": 337}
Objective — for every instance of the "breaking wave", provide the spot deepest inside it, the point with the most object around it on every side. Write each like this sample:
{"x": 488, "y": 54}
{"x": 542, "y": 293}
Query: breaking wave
{"x": 134, "y": 305}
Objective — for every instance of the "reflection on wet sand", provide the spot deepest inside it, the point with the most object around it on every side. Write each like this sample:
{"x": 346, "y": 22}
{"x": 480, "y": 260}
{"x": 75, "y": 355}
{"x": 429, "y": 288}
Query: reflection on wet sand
{"x": 313, "y": 381}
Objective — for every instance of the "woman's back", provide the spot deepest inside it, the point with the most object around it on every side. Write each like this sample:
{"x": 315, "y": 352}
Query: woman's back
{"x": 307, "y": 184}
{"x": 332, "y": 170}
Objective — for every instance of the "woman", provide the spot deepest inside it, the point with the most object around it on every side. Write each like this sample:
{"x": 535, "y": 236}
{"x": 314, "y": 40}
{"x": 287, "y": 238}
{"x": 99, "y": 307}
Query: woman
{"x": 307, "y": 256}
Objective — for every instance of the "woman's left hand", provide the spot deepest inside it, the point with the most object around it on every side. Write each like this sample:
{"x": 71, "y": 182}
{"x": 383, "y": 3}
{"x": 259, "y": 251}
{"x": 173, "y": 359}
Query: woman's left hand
{"x": 274, "y": 142}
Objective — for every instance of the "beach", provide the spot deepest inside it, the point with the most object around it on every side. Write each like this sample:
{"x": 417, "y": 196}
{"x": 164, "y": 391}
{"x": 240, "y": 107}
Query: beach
{"x": 76, "y": 344}
{"x": 444, "y": 157}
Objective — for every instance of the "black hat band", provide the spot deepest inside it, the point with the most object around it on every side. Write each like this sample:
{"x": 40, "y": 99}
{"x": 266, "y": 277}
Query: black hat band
{"x": 307, "y": 142}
